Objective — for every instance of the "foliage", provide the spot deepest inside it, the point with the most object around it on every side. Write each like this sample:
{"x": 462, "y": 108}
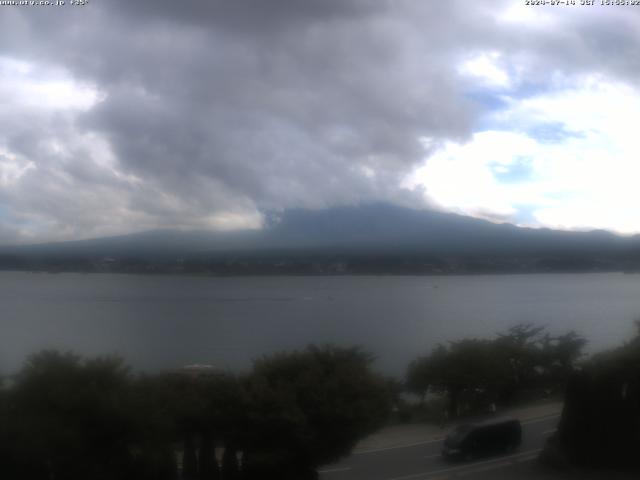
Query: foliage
{"x": 71, "y": 418}
{"x": 315, "y": 404}
{"x": 625, "y": 359}
{"x": 481, "y": 371}
{"x": 74, "y": 418}
{"x": 600, "y": 423}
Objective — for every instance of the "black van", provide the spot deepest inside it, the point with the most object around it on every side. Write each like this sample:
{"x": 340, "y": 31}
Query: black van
{"x": 478, "y": 439}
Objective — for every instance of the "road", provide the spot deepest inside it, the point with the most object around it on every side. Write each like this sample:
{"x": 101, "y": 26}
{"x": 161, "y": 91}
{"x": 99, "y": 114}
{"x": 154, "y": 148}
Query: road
{"x": 422, "y": 461}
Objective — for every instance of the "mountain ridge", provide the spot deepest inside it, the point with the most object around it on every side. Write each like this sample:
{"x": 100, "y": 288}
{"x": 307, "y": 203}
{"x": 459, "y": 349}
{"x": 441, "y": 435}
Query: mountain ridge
{"x": 374, "y": 230}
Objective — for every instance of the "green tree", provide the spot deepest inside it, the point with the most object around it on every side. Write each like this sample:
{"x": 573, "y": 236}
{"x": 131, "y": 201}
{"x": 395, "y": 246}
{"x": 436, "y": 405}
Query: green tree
{"x": 521, "y": 349}
{"x": 74, "y": 420}
{"x": 600, "y": 423}
{"x": 421, "y": 375}
{"x": 309, "y": 408}
{"x": 71, "y": 418}
{"x": 469, "y": 369}
{"x": 561, "y": 353}
{"x": 476, "y": 371}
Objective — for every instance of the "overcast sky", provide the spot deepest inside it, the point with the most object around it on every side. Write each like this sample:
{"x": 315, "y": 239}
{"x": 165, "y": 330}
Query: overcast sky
{"x": 124, "y": 116}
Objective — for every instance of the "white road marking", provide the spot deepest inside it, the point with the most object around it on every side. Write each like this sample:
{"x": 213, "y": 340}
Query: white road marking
{"x": 335, "y": 470}
{"x": 547, "y": 432}
{"x": 470, "y": 466}
{"x": 433, "y": 456}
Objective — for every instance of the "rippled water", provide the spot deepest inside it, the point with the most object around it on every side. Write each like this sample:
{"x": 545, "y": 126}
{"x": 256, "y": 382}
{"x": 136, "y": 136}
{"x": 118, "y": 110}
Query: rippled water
{"x": 167, "y": 321}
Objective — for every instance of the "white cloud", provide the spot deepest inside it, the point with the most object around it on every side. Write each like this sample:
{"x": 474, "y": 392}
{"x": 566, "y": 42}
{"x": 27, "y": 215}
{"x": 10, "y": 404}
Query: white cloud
{"x": 12, "y": 168}
{"x": 584, "y": 176}
{"x": 67, "y": 182}
{"x": 234, "y": 221}
{"x": 300, "y": 106}
{"x": 486, "y": 68}
{"x": 459, "y": 177}
{"x": 520, "y": 14}
{"x": 24, "y": 85}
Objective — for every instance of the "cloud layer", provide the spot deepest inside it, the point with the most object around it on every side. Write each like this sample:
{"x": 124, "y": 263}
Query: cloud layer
{"x": 126, "y": 116}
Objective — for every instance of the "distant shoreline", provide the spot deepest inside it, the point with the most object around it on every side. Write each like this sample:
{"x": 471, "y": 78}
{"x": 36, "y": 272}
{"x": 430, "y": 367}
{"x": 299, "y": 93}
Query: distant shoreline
{"x": 313, "y": 274}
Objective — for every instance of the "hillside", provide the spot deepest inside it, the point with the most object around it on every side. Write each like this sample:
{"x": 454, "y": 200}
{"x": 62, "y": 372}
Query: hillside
{"x": 372, "y": 238}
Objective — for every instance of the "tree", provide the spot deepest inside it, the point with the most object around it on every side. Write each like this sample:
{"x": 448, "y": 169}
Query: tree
{"x": 562, "y": 352}
{"x": 74, "y": 418}
{"x": 493, "y": 370}
{"x": 421, "y": 374}
{"x": 469, "y": 368}
{"x": 309, "y": 408}
{"x": 600, "y": 422}
{"x": 521, "y": 348}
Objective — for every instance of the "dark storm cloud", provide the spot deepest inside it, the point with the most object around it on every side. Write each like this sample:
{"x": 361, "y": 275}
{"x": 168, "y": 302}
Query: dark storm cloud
{"x": 249, "y": 15}
{"x": 214, "y": 108}
{"x": 288, "y": 110}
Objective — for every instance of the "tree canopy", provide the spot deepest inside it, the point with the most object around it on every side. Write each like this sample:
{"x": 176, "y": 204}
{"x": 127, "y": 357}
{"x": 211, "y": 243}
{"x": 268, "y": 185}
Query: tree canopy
{"x": 67, "y": 417}
{"x": 493, "y": 370}
{"x": 321, "y": 401}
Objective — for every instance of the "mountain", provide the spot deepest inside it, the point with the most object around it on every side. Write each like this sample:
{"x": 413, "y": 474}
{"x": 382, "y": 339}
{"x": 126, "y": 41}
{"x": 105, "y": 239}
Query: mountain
{"x": 389, "y": 228}
{"x": 350, "y": 234}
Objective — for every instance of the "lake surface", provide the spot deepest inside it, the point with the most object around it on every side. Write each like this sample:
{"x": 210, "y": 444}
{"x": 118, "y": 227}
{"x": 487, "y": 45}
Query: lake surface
{"x": 157, "y": 322}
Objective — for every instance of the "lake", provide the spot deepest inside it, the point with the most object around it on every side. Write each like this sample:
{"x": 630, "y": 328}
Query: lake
{"x": 158, "y": 322}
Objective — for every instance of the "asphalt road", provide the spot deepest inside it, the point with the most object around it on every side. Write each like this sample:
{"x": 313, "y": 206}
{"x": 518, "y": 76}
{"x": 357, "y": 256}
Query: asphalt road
{"x": 423, "y": 461}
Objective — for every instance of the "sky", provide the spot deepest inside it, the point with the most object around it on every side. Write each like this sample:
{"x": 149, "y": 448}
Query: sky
{"x": 118, "y": 116}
